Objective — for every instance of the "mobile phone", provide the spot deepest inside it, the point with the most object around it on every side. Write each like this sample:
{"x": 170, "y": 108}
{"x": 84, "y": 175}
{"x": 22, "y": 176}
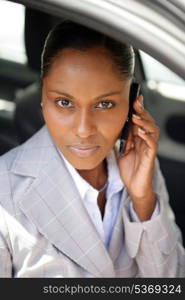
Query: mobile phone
{"x": 134, "y": 93}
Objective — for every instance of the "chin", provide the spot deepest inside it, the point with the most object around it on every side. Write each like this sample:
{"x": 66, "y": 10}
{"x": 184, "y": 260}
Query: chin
{"x": 84, "y": 164}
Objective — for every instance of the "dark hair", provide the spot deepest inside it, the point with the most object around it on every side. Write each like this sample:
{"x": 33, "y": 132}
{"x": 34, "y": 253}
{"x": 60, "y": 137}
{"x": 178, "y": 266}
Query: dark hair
{"x": 73, "y": 35}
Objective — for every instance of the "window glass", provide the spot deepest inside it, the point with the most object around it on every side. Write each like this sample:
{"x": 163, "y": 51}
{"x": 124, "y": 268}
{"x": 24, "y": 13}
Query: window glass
{"x": 154, "y": 70}
{"x": 162, "y": 79}
{"x": 12, "y": 31}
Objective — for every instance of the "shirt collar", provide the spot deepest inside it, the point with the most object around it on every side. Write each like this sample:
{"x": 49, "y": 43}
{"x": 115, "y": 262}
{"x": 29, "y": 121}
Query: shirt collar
{"x": 82, "y": 185}
{"x": 115, "y": 184}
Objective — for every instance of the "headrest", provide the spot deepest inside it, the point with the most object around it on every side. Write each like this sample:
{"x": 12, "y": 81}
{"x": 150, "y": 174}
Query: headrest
{"x": 37, "y": 26}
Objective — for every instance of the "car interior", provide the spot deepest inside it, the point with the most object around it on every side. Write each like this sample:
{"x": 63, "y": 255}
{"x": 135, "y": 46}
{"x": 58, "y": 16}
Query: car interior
{"x": 20, "y": 112}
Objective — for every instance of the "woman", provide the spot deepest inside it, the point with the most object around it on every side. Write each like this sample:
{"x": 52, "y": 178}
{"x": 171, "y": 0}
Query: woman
{"x": 71, "y": 205}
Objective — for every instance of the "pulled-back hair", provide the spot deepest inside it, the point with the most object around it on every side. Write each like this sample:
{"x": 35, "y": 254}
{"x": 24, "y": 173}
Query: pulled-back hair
{"x": 73, "y": 35}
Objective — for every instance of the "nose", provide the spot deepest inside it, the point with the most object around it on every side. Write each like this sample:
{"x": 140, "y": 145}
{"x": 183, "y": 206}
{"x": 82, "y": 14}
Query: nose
{"x": 84, "y": 124}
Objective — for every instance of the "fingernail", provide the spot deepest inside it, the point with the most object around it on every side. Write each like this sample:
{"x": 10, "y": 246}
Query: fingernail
{"x": 141, "y": 131}
{"x": 136, "y": 116}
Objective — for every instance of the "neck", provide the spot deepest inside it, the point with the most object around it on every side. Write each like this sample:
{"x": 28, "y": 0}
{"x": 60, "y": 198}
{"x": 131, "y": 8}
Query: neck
{"x": 96, "y": 177}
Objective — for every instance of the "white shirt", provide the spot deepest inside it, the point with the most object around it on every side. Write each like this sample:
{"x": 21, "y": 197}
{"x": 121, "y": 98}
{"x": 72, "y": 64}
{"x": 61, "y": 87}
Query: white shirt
{"x": 89, "y": 197}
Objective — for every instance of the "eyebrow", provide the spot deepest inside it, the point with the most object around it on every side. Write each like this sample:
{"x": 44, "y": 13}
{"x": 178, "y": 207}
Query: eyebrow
{"x": 101, "y": 96}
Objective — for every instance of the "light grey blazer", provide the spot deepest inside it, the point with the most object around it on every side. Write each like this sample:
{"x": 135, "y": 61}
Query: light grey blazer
{"x": 45, "y": 230}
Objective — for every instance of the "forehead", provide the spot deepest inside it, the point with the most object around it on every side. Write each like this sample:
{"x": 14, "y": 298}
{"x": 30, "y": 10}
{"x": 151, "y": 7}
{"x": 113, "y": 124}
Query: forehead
{"x": 96, "y": 60}
{"x": 85, "y": 74}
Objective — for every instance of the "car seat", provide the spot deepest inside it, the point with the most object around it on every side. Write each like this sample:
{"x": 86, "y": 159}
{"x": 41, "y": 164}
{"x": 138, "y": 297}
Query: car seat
{"x": 28, "y": 117}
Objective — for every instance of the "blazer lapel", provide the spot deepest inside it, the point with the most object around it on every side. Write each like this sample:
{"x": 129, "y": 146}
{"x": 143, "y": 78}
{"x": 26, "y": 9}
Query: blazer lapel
{"x": 53, "y": 204}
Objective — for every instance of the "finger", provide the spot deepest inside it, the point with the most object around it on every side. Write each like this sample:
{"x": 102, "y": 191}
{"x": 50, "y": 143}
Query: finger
{"x": 138, "y": 104}
{"x": 137, "y": 142}
{"x": 135, "y": 130}
{"x": 149, "y": 140}
{"x": 140, "y": 101}
{"x": 147, "y": 126}
{"x": 139, "y": 110}
{"x": 144, "y": 114}
{"x": 140, "y": 136}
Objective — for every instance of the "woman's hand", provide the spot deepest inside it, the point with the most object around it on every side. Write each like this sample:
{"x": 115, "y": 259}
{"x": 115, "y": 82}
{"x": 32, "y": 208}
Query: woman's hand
{"x": 136, "y": 164}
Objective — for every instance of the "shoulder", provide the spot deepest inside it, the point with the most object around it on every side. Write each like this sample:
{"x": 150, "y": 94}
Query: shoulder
{"x": 6, "y": 162}
{"x": 13, "y": 165}
{"x": 7, "y": 159}
{"x": 39, "y": 140}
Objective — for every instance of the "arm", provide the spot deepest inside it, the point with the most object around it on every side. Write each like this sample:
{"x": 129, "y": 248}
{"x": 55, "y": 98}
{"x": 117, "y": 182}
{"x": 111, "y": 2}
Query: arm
{"x": 156, "y": 244}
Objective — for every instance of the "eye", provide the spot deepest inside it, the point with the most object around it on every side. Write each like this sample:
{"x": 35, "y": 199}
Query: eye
{"x": 64, "y": 102}
{"x": 106, "y": 104}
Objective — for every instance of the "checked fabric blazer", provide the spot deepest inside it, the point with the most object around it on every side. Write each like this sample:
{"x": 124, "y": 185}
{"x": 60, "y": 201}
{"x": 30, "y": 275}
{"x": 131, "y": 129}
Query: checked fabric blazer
{"x": 45, "y": 230}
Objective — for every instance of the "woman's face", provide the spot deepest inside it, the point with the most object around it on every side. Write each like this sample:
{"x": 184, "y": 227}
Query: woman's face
{"x": 85, "y": 105}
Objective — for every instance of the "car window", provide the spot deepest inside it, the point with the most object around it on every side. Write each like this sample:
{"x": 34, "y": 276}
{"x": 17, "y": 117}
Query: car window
{"x": 162, "y": 79}
{"x": 164, "y": 97}
{"x": 12, "y": 37}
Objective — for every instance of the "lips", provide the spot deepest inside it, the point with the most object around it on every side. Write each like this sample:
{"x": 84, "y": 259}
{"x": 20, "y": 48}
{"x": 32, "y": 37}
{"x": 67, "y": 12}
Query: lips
{"x": 83, "y": 151}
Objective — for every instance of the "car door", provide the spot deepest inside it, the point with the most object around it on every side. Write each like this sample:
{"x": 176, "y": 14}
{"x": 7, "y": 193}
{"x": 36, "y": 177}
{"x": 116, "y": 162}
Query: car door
{"x": 164, "y": 98}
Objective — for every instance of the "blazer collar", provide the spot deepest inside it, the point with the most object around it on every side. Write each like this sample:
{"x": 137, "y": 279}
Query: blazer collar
{"x": 53, "y": 204}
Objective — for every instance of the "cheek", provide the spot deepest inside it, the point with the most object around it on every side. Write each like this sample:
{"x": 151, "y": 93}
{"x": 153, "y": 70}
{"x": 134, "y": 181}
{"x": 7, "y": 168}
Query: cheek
{"x": 112, "y": 125}
{"x": 57, "y": 124}
{"x": 52, "y": 116}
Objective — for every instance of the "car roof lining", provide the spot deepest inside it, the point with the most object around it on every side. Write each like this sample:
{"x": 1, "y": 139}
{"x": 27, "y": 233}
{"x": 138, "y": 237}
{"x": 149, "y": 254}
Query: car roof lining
{"x": 158, "y": 42}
